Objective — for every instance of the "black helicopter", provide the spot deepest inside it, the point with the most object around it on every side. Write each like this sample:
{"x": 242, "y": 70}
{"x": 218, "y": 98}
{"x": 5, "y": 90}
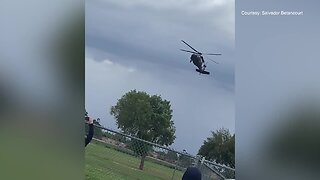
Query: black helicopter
{"x": 198, "y": 60}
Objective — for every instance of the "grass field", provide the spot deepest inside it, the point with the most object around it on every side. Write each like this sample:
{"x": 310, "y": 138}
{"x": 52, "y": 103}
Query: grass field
{"x": 105, "y": 163}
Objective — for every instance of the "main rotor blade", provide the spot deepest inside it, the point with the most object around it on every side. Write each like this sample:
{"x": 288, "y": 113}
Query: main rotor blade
{"x": 213, "y": 61}
{"x": 211, "y": 54}
{"x": 190, "y": 46}
{"x": 188, "y": 51}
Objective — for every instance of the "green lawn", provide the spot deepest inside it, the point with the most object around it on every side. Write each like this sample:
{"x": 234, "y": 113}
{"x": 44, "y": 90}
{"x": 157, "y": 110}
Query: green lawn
{"x": 105, "y": 163}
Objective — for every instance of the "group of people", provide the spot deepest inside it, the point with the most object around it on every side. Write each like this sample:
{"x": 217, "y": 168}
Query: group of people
{"x": 192, "y": 173}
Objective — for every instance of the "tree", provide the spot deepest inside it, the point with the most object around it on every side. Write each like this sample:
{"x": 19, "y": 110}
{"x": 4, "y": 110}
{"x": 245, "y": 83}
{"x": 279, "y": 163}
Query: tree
{"x": 220, "y": 147}
{"x": 146, "y": 117}
{"x": 171, "y": 157}
{"x": 140, "y": 148}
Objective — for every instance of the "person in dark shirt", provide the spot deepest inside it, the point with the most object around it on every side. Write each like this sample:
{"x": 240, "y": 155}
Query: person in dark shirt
{"x": 192, "y": 173}
{"x": 89, "y": 121}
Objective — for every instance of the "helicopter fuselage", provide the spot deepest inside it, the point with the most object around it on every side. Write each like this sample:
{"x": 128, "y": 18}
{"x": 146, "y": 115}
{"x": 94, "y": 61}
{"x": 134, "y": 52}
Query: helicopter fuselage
{"x": 198, "y": 61}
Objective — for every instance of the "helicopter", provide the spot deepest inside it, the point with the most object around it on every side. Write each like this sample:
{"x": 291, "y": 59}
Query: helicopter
{"x": 198, "y": 59}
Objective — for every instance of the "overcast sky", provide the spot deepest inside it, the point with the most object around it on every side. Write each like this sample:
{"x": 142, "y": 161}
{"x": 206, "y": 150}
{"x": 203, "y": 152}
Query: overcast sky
{"x": 135, "y": 45}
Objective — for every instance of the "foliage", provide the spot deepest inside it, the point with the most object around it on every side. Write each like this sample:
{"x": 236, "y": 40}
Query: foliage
{"x": 146, "y": 117}
{"x": 185, "y": 161}
{"x": 220, "y": 147}
{"x": 169, "y": 156}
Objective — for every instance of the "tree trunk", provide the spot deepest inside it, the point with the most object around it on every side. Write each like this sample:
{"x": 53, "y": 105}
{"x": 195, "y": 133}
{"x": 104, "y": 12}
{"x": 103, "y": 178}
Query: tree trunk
{"x": 143, "y": 157}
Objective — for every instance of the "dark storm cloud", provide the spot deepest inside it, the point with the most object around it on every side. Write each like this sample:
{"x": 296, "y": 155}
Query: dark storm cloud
{"x": 152, "y": 32}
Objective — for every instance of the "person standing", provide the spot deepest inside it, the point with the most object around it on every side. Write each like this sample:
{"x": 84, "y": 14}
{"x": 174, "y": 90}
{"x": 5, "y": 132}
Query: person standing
{"x": 88, "y": 139}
